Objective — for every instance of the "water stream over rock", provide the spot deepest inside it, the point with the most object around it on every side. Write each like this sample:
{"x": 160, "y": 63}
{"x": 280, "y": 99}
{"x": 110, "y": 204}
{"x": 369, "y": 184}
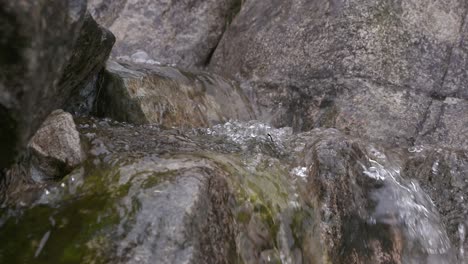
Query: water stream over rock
{"x": 295, "y": 132}
{"x": 239, "y": 192}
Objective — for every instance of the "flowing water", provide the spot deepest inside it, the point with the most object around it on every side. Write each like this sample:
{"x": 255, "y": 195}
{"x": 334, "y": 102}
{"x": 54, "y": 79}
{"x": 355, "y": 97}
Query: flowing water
{"x": 129, "y": 202}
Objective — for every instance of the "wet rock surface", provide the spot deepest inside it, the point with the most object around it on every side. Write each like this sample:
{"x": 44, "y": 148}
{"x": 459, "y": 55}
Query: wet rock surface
{"x": 171, "y": 32}
{"x": 89, "y": 56}
{"x": 56, "y": 148}
{"x": 371, "y": 211}
{"x": 170, "y": 97}
{"x": 369, "y": 166}
{"x": 442, "y": 174}
{"x": 238, "y": 193}
{"x": 329, "y": 50}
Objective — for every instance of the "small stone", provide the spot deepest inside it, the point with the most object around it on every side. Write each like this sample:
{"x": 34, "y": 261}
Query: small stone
{"x": 56, "y": 147}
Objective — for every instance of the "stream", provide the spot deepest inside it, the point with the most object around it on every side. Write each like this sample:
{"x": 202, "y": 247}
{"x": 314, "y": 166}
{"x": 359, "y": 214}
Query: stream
{"x": 147, "y": 195}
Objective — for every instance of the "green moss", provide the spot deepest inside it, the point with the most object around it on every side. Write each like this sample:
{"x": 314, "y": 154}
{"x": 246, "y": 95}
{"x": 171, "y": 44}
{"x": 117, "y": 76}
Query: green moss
{"x": 82, "y": 223}
{"x": 71, "y": 226}
{"x": 265, "y": 190}
{"x": 86, "y": 220}
{"x": 243, "y": 217}
{"x": 157, "y": 178}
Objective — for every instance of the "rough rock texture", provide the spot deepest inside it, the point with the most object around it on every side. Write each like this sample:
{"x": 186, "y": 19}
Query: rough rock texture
{"x": 170, "y": 97}
{"x": 446, "y": 123}
{"x": 181, "y": 32}
{"x": 104, "y": 11}
{"x": 50, "y": 51}
{"x": 91, "y": 51}
{"x": 306, "y": 60}
{"x": 56, "y": 147}
{"x": 36, "y": 42}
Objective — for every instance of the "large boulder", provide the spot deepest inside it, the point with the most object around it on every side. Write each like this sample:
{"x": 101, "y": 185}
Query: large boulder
{"x": 154, "y": 213}
{"x": 50, "y": 49}
{"x": 347, "y": 64}
{"x": 172, "y": 32}
{"x": 36, "y": 42}
{"x": 170, "y": 97}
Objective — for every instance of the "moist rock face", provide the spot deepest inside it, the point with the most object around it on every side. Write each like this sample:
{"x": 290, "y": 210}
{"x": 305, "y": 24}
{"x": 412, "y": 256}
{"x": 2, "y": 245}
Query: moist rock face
{"x": 342, "y": 64}
{"x": 89, "y": 56}
{"x": 229, "y": 194}
{"x": 442, "y": 174}
{"x": 369, "y": 165}
{"x": 172, "y": 32}
{"x": 56, "y": 148}
{"x": 50, "y": 49}
{"x": 167, "y": 96}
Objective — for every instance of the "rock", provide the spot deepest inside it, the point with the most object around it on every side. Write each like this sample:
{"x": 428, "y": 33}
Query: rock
{"x": 106, "y": 12}
{"x": 171, "y": 214}
{"x": 140, "y": 56}
{"x": 393, "y": 57}
{"x": 442, "y": 174}
{"x": 36, "y": 39}
{"x": 56, "y": 147}
{"x": 51, "y": 64}
{"x": 136, "y": 209}
{"x": 377, "y": 112}
{"x": 172, "y": 32}
{"x": 234, "y": 193}
{"x": 343, "y": 200}
{"x": 369, "y": 212}
{"x": 142, "y": 94}
{"x": 89, "y": 56}
{"x": 446, "y": 124}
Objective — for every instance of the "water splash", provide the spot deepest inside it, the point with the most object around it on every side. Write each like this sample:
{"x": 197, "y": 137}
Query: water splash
{"x": 299, "y": 172}
{"x": 462, "y": 234}
{"x": 241, "y": 132}
{"x": 403, "y": 203}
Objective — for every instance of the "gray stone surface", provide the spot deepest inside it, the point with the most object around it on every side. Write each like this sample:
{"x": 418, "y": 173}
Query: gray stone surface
{"x": 104, "y": 11}
{"x": 56, "y": 147}
{"x": 172, "y": 32}
{"x": 169, "y": 97}
{"x": 446, "y": 124}
{"x": 50, "y": 51}
{"x": 36, "y": 42}
{"x": 89, "y": 56}
{"x": 303, "y": 59}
